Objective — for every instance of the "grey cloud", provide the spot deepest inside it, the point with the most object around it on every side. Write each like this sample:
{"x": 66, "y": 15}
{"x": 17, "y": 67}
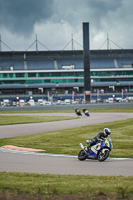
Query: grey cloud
{"x": 77, "y": 11}
{"x": 19, "y": 16}
{"x": 64, "y": 17}
{"x": 104, "y": 5}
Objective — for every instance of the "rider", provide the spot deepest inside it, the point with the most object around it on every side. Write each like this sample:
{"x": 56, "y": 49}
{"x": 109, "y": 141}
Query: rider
{"x": 101, "y": 135}
{"x": 77, "y": 111}
{"x": 85, "y": 111}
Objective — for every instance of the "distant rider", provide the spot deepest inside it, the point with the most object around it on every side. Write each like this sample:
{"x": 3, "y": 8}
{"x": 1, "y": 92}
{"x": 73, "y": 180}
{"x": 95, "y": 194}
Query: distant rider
{"x": 101, "y": 135}
{"x": 85, "y": 111}
{"x": 77, "y": 111}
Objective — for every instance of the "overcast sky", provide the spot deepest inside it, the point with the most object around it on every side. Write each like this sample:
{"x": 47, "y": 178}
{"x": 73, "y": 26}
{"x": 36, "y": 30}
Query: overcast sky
{"x": 59, "y": 22}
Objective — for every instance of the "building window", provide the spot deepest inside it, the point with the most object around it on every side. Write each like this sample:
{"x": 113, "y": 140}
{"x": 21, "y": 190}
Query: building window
{"x": 32, "y": 75}
{"x": 43, "y": 74}
{"x": 19, "y": 75}
{"x": 5, "y": 75}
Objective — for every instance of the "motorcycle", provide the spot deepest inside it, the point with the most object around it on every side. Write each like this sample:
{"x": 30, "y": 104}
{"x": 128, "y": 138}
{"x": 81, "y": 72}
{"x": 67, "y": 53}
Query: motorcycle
{"x": 99, "y": 151}
{"x": 78, "y": 112}
{"x": 86, "y": 112}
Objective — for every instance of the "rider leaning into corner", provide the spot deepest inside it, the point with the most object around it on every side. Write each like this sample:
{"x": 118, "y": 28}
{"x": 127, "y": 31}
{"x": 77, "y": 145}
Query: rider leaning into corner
{"x": 101, "y": 135}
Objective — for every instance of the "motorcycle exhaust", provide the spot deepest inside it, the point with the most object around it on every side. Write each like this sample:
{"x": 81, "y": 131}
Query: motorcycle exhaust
{"x": 81, "y": 146}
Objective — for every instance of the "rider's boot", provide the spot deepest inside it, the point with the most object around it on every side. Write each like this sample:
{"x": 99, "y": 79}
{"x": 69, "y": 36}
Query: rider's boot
{"x": 88, "y": 148}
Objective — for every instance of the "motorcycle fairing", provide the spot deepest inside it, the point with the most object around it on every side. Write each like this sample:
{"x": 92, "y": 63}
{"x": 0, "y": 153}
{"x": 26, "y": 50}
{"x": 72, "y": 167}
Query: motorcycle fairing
{"x": 94, "y": 151}
{"x": 107, "y": 143}
{"x": 95, "y": 148}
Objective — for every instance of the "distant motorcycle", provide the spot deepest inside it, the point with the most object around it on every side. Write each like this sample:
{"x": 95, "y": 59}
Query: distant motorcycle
{"x": 99, "y": 151}
{"x": 86, "y": 112}
{"x": 77, "y": 111}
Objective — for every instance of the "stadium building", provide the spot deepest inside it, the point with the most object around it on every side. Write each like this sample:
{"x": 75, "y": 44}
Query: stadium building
{"x": 62, "y": 72}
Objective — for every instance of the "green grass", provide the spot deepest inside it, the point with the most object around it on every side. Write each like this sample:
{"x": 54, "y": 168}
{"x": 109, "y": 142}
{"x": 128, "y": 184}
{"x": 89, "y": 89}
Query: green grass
{"x": 8, "y": 120}
{"x": 56, "y": 185}
{"x": 67, "y": 141}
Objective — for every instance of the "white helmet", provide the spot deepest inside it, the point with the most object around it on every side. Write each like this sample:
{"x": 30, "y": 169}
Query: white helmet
{"x": 107, "y": 131}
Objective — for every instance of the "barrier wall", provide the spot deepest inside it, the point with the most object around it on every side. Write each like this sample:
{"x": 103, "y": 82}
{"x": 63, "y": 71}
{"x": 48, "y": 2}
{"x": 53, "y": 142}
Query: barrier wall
{"x": 68, "y": 107}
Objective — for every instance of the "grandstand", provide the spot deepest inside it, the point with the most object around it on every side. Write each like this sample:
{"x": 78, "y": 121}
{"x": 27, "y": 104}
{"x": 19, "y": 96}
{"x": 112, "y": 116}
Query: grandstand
{"x": 60, "y": 72}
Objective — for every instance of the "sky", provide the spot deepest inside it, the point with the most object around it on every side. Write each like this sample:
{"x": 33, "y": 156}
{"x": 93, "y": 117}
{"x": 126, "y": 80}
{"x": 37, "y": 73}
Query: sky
{"x": 58, "y": 24}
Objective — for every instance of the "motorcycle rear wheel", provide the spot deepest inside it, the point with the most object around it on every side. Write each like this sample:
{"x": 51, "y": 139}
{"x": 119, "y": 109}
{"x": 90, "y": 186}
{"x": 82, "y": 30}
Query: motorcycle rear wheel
{"x": 82, "y": 155}
{"x": 103, "y": 156}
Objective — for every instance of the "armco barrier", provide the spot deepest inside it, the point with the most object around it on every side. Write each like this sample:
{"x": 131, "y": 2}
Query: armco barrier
{"x": 68, "y": 107}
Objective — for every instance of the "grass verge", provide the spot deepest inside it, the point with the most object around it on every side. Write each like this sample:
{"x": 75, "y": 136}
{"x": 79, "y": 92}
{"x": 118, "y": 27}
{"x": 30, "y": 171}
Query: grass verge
{"x": 75, "y": 186}
{"x": 8, "y": 120}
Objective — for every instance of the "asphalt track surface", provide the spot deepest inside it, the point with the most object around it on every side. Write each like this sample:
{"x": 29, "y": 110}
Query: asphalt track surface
{"x": 16, "y": 161}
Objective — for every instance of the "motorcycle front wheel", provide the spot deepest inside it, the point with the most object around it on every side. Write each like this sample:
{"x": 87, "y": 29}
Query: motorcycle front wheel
{"x": 103, "y": 156}
{"x": 82, "y": 155}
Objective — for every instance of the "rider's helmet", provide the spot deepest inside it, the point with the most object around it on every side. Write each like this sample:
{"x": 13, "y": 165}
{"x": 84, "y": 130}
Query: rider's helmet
{"x": 107, "y": 131}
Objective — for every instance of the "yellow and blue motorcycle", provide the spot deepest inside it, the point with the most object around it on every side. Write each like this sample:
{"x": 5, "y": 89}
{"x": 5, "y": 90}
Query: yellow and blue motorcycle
{"x": 99, "y": 151}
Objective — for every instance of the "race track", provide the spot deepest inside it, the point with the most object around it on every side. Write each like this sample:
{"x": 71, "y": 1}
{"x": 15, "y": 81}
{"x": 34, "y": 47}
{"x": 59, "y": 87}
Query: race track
{"x": 17, "y": 161}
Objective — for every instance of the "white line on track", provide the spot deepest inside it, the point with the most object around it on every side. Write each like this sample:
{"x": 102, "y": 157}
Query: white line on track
{"x": 53, "y": 155}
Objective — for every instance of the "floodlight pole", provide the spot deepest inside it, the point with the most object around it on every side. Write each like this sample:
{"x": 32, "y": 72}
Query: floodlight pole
{"x": 36, "y": 43}
{"x": 0, "y": 44}
{"x": 86, "y": 57}
{"x": 72, "y": 43}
